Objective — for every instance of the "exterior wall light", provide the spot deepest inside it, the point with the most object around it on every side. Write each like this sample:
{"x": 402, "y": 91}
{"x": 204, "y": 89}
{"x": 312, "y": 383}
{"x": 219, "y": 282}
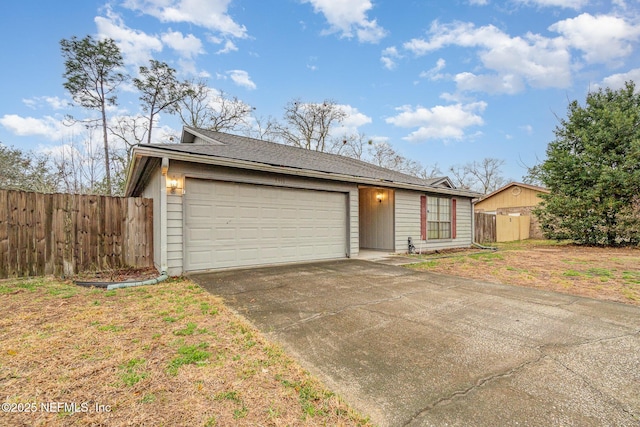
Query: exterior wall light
{"x": 173, "y": 185}
{"x": 379, "y": 197}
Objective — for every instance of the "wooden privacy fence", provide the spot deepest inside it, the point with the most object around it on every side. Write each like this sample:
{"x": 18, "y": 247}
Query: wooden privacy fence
{"x": 485, "y": 228}
{"x": 63, "y": 234}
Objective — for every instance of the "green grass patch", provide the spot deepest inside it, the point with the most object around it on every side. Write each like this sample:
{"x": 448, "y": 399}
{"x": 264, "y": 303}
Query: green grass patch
{"x": 572, "y": 273}
{"x": 240, "y": 412}
{"x": 190, "y": 329}
{"x": 233, "y": 396}
{"x": 486, "y": 256}
{"x": 63, "y": 291}
{"x": 309, "y": 396}
{"x": 189, "y": 355}
{"x": 426, "y": 264}
{"x": 148, "y": 398}
{"x": 631, "y": 276}
{"x": 31, "y": 285}
{"x": 599, "y": 272}
{"x": 132, "y": 372}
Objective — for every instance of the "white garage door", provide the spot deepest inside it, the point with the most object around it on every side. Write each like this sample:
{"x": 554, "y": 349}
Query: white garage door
{"x": 232, "y": 225}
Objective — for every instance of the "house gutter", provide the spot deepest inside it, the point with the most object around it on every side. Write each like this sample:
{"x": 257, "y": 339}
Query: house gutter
{"x": 243, "y": 164}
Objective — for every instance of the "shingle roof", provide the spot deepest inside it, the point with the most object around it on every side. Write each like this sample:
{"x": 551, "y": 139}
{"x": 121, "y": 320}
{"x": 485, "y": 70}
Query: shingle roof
{"x": 511, "y": 184}
{"x": 270, "y": 153}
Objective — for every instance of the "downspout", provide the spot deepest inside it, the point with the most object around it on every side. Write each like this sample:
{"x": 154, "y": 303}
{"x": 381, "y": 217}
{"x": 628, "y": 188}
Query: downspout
{"x": 163, "y": 216}
{"x": 117, "y": 285}
{"x": 155, "y": 281}
{"x": 473, "y": 223}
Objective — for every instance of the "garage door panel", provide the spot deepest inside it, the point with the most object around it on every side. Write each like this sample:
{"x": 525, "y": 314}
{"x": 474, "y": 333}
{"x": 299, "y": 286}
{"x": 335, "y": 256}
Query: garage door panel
{"x": 196, "y": 234}
{"x": 233, "y": 224}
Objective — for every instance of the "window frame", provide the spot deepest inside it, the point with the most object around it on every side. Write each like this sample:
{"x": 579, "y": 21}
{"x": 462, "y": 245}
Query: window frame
{"x": 434, "y": 227}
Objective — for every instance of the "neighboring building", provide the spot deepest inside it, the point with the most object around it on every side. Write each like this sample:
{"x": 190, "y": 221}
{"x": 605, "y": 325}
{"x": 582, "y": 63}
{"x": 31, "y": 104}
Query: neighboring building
{"x": 222, "y": 201}
{"x": 514, "y": 198}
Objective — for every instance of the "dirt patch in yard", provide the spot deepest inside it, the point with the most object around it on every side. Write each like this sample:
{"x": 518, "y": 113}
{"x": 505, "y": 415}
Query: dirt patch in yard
{"x": 603, "y": 273}
{"x": 169, "y": 354}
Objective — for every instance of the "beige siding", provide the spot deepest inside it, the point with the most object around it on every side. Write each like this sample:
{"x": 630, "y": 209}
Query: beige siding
{"x": 376, "y": 219}
{"x": 511, "y": 197}
{"x": 152, "y": 191}
{"x": 174, "y": 234}
{"x": 353, "y": 228}
{"x": 408, "y": 223}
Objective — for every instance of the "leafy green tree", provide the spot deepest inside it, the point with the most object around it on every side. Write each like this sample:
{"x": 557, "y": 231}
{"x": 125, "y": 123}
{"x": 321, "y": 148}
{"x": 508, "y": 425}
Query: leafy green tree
{"x": 24, "y": 171}
{"x": 160, "y": 91}
{"x": 92, "y": 73}
{"x": 593, "y": 171}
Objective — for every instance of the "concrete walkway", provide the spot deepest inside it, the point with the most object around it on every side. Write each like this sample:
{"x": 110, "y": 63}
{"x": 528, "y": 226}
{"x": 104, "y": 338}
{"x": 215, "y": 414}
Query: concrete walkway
{"x": 421, "y": 349}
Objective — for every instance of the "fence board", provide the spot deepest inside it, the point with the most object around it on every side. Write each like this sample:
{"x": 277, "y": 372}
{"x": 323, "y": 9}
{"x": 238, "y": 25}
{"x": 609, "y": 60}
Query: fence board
{"x": 65, "y": 234}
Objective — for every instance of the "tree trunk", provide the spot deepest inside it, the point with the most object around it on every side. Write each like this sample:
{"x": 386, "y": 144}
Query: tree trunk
{"x": 105, "y": 136}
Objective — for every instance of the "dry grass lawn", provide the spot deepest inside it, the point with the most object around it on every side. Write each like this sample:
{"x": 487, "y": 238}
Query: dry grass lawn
{"x": 169, "y": 354}
{"x": 604, "y": 273}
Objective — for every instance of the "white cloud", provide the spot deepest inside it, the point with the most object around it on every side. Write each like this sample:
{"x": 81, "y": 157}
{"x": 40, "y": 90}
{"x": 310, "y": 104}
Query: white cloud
{"x": 434, "y": 73}
{"x": 567, "y": 4}
{"x": 210, "y": 14}
{"x": 507, "y": 83}
{"x": 540, "y": 61}
{"x": 388, "y": 57}
{"x": 354, "y": 118}
{"x": 602, "y": 38}
{"x": 478, "y": 2}
{"x": 617, "y": 81}
{"x": 351, "y": 123}
{"x": 136, "y": 46}
{"x": 186, "y": 46}
{"x": 439, "y": 122}
{"x": 48, "y": 127}
{"x": 229, "y": 46}
{"x": 241, "y": 78}
{"x": 349, "y": 17}
{"x": 52, "y": 102}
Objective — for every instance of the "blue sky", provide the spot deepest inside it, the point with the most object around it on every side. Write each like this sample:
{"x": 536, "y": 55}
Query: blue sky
{"x": 444, "y": 82}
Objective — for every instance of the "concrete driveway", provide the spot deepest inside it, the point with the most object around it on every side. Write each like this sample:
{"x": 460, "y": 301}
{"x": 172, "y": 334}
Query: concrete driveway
{"x": 421, "y": 349}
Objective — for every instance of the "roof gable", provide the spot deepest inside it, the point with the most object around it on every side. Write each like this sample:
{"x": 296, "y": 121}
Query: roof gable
{"x": 509, "y": 185}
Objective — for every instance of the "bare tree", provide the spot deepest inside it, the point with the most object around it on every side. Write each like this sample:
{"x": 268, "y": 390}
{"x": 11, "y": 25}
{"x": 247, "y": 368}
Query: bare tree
{"x": 460, "y": 177}
{"x": 131, "y": 130}
{"x": 78, "y": 166}
{"x": 484, "y": 176}
{"x": 382, "y": 154}
{"x": 354, "y": 146}
{"x": 308, "y": 125}
{"x": 205, "y": 108}
{"x": 261, "y": 128}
